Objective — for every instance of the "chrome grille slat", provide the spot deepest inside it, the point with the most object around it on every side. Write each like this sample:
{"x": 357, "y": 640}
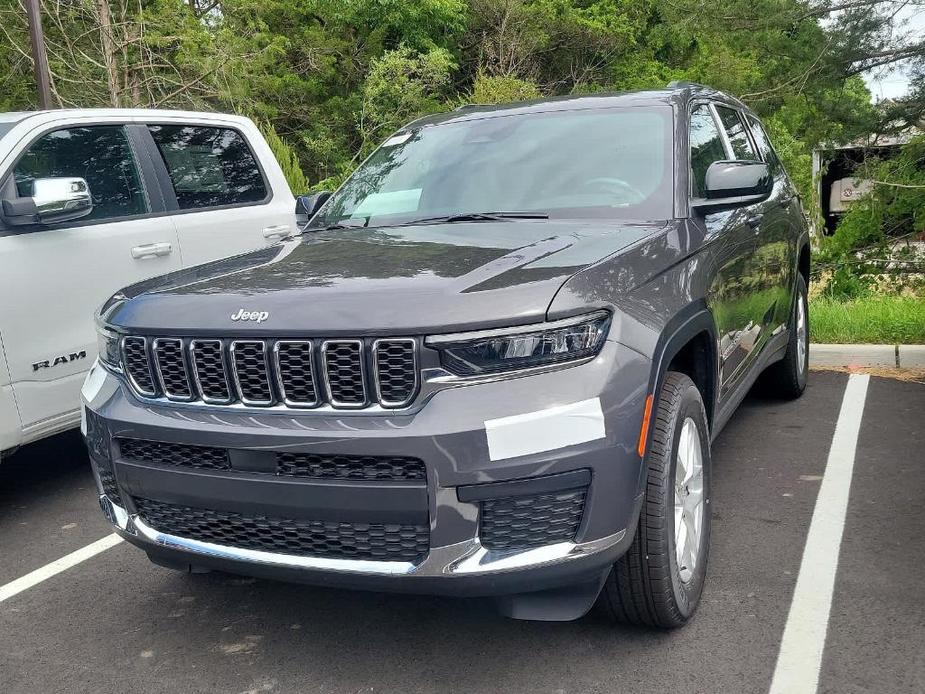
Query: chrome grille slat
{"x": 283, "y": 373}
{"x": 138, "y": 365}
{"x": 295, "y": 373}
{"x": 344, "y": 372}
{"x": 210, "y": 371}
{"x": 251, "y": 372}
{"x": 395, "y": 372}
{"x": 170, "y": 364}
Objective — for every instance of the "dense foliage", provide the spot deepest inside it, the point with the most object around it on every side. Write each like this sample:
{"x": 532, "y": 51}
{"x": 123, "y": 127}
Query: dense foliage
{"x": 878, "y": 244}
{"x": 331, "y": 78}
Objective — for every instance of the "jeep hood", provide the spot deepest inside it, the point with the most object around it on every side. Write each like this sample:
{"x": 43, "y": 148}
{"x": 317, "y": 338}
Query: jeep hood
{"x": 411, "y": 279}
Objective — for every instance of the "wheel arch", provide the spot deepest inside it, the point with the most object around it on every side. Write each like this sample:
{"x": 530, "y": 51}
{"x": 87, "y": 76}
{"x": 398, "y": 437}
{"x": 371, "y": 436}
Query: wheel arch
{"x": 803, "y": 262}
{"x": 688, "y": 344}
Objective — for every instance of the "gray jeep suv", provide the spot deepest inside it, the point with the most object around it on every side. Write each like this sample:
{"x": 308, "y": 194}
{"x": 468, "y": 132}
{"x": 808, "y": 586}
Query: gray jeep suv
{"x": 491, "y": 365}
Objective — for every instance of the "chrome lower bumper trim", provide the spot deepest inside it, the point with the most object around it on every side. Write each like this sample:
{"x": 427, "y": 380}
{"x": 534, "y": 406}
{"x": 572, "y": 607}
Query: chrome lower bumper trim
{"x": 467, "y": 558}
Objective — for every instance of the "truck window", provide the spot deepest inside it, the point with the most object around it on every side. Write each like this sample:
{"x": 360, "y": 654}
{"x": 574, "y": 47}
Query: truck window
{"x": 99, "y": 154}
{"x": 738, "y": 137}
{"x": 764, "y": 145}
{"x": 706, "y": 147}
{"x": 209, "y": 167}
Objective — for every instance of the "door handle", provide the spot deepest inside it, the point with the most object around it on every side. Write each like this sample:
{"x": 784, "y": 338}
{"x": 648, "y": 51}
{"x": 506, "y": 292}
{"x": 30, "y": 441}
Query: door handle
{"x": 151, "y": 250}
{"x": 277, "y": 232}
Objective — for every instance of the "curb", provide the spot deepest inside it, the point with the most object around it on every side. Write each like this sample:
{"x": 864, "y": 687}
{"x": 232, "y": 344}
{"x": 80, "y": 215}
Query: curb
{"x": 887, "y": 356}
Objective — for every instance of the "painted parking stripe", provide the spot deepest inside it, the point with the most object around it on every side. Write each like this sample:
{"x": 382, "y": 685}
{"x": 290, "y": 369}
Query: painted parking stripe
{"x": 54, "y": 568}
{"x": 801, "y": 648}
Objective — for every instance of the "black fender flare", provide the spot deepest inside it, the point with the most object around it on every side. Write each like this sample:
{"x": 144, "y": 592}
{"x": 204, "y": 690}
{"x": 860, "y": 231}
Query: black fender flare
{"x": 693, "y": 319}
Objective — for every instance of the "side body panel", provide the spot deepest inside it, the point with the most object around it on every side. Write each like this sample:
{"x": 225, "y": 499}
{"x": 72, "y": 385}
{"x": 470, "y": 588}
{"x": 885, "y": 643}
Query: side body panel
{"x": 10, "y": 426}
{"x": 56, "y": 277}
{"x": 703, "y": 275}
{"x": 219, "y": 232}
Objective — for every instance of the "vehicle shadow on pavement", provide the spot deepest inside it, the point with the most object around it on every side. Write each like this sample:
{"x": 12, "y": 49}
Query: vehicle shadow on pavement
{"x": 382, "y": 639}
{"x": 43, "y": 470}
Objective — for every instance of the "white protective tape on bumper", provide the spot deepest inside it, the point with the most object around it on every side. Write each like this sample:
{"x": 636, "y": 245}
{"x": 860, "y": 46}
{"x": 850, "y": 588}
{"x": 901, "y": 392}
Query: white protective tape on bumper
{"x": 545, "y": 430}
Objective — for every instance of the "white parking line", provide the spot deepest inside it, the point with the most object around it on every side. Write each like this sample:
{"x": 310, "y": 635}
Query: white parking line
{"x": 63, "y": 564}
{"x": 801, "y": 648}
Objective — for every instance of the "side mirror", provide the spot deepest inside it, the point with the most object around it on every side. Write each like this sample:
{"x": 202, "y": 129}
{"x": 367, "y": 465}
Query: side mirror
{"x": 734, "y": 184}
{"x": 307, "y": 205}
{"x": 53, "y": 200}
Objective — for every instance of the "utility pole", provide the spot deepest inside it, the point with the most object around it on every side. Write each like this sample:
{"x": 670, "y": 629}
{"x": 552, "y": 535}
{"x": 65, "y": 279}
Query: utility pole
{"x": 39, "y": 57}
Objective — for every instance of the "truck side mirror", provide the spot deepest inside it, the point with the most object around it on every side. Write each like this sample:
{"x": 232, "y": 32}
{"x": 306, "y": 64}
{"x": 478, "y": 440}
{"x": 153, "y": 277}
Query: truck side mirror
{"x": 307, "y": 205}
{"x": 53, "y": 200}
{"x": 735, "y": 184}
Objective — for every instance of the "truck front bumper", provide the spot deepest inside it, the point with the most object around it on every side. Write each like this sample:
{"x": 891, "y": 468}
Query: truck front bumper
{"x": 527, "y": 494}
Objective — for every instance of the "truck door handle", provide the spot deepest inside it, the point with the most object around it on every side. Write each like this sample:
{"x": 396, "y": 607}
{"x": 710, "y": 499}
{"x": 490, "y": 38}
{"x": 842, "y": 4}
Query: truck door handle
{"x": 277, "y": 232}
{"x": 151, "y": 250}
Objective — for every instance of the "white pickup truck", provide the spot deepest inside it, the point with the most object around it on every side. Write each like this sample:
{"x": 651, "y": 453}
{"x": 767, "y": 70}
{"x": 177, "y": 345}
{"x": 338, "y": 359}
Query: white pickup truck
{"x": 92, "y": 200}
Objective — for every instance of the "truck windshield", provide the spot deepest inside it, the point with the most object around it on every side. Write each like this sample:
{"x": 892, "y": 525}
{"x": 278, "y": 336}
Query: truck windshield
{"x": 608, "y": 163}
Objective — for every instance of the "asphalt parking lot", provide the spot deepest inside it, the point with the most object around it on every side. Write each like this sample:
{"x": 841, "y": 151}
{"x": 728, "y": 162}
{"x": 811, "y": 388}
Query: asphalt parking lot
{"x": 116, "y": 623}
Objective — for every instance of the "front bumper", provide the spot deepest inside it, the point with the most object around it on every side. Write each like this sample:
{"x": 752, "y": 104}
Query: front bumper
{"x": 463, "y": 569}
{"x": 448, "y": 435}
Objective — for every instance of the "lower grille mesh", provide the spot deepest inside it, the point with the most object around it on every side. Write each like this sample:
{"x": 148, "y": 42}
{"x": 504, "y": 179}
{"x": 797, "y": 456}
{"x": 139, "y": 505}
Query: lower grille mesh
{"x": 521, "y": 522}
{"x": 178, "y": 454}
{"x": 352, "y": 467}
{"x": 328, "y": 539}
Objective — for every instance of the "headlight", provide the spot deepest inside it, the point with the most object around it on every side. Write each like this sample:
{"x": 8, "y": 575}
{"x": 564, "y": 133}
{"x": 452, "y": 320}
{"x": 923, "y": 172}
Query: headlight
{"x": 492, "y": 351}
{"x": 107, "y": 343}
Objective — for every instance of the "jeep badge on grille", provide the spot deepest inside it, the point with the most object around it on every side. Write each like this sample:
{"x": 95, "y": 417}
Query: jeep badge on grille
{"x": 259, "y": 316}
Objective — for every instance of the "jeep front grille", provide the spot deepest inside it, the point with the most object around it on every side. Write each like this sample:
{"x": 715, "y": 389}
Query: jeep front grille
{"x": 341, "y": 373}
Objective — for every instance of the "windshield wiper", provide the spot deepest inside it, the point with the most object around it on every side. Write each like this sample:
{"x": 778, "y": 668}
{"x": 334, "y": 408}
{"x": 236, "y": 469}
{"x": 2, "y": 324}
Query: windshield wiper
{"x": 342, "y": 224}
{"x": 477, "y": 217}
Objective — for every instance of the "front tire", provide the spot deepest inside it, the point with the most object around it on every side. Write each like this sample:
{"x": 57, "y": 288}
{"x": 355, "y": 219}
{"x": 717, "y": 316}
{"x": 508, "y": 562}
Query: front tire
{"x": 659, "y": 581}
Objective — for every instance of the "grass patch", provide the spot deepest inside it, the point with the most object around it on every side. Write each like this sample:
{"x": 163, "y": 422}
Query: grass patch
{"x": 875, "y": 319}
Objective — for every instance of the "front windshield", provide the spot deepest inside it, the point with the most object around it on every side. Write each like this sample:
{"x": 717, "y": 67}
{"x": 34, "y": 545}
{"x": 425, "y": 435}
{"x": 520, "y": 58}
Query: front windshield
{"x": 567, "y": 164}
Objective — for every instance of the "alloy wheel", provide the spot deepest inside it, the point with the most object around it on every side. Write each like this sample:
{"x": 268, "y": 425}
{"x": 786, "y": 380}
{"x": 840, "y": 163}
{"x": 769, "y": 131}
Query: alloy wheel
{"x": 801, "y": 333}
{"x": 688, "y": 500}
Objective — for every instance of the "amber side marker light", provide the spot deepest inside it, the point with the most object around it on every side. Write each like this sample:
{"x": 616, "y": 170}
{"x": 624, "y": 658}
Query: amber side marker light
{"x": 644, "y": 430}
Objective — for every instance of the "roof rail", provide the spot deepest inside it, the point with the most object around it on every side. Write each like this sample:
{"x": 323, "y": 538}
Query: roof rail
{"x": 678, "y": 84}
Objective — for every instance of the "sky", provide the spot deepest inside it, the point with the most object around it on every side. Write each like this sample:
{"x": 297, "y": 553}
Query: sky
{"x": 893, "y": 83}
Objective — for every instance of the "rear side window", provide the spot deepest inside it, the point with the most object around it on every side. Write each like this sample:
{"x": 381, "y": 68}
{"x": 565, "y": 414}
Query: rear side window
{"x": 738, "y": 137}
{"x": 706, "y": 145}
{"x": 764, "y": 144}
{"x": 99, "y": 154}
{"x": 209, "y": 167}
